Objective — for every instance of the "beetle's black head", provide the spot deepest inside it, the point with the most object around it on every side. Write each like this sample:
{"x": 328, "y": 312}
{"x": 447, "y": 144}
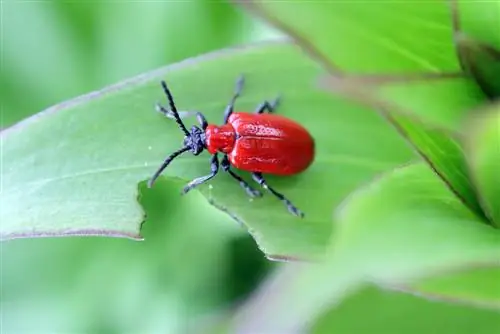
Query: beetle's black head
{"x": 194, "y": 141}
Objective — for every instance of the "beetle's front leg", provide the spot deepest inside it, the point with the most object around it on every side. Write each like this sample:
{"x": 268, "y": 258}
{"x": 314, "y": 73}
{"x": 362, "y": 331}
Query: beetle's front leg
{"x": 270, "y": 107}
{"x": 182, "y": 114}
{"x": 260, "y": 180}
{"x": 214, "y": 166}
{"x": 226, "y": 166}
{"x": 237, "y": 92}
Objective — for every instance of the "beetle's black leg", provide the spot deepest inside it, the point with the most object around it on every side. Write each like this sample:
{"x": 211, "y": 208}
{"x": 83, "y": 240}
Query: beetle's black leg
{"x": 260, "y": 180}
{"x": 237, "y": 92}
{"x": 202, "y": 120}
{"x": 226, "y": 166}
{"x": 214, "y": 165}
{"x": 270, "y": 107}
{"x": 183, "y": 114}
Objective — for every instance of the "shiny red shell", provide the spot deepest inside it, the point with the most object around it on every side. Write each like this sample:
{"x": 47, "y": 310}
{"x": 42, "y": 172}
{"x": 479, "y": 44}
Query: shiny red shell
{"x": 265, "y": 143}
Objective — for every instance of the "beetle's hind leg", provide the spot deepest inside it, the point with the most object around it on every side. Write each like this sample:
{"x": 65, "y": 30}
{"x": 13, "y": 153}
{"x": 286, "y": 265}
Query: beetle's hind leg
{"x": 240, "y": 82}
{"x": 226, "y": 166}
{"x": 269, "y": 106}
{"x": 292, "y": 208}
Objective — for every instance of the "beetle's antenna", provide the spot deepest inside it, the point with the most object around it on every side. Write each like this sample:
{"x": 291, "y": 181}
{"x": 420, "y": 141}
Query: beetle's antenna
{"x": 165, "y": 164}
{"x": 173, "y": 108}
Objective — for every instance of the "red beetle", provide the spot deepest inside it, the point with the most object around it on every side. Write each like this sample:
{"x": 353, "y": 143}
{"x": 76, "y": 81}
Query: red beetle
{"x": 257, "y": 142}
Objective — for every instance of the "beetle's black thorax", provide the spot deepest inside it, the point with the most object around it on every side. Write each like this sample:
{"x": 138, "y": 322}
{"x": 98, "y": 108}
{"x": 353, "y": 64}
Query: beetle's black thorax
{"x": 196, "y": 140}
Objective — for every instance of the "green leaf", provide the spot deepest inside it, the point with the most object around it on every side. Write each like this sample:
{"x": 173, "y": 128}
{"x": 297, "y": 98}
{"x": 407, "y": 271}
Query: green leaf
{"x": 74, "y": 169}
{"x": 408, "y": 314}
{"x": 443, "y": 103}
{"x": 482, "y": 62}
{"x": 72, "y": 40}
{"x": 479, "y": 19}
{"x": 391, "y": 51}
{"x": 404, "y": 229}
{"x": 483, "y": 152}
{"x": 478, "y": 41}
{"x": 440, "y": 149}
{"x": 476, "y": 286}
{"x": 414, "y": 66}
{"x": 102, "y": 285}
{"x": 401, "y": 229}
{"x": 407, "y": 224}
{"x": 446, "y": 157}
{"x": 369, "y": 37}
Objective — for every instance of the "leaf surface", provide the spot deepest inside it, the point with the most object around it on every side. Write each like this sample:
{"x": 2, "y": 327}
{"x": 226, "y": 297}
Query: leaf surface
{"x": 482, "y": 62}
{"x": 483, "y": 151}
{"x": 403, "y": 230}
{"x": 409, "y": 209}
{"x": 74, "y": 169}
{"x": 369, "y": 37}
{"x": 478, "y": 287}
{"x": 479, "y": 20}
{"x": 403, "y": 309}
{"x": 407, "y": 74}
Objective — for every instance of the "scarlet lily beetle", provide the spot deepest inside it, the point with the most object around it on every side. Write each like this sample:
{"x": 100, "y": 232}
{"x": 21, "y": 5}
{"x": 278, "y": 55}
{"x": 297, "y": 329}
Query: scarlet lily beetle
{"x": 257, "y": 142}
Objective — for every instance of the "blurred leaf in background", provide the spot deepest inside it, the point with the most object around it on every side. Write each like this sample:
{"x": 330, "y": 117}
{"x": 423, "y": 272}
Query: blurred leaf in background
{"x": 186, "y": 268}
{"x": 392, "y": 312}
{"x": 55, "y": 50}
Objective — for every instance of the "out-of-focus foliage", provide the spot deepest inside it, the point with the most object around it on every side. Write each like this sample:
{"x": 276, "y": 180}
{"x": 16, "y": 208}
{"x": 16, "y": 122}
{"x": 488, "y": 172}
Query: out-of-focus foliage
{"x": 478, "y": 42}
{"x": 190, "y": 264}
{"x": 54, "y": 50}
{"x": 194, "y": 260}
{"x": 397, "y": 312}
{"x": 483, "y": 146}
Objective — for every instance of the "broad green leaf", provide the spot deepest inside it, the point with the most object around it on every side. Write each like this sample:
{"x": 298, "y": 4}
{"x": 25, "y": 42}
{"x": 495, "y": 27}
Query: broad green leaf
{"x": 479, "y": 19}
{"x": 312, "y": 284}
{"x": 439, "y": 148}
{"x": 82, "y": 44}
{"x": 369, "y": 37}
{"x": 408, "y": 58}
{"x": 96, "y": 285}
{"x": 74, "y": 169}
{"x": 315, "y": 25}
{"x": 475, "y": 286}
{"x": 401, "y": 229}
{"x": 483, "y": 152}
{"x": 396, "y": 313}
{"x": 445, "y": 155}
{"x": 443, "y": 103}
{"x": 407, "y": 224}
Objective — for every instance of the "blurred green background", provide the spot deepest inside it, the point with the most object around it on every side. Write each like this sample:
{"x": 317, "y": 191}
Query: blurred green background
{"x": 195, "y": 264}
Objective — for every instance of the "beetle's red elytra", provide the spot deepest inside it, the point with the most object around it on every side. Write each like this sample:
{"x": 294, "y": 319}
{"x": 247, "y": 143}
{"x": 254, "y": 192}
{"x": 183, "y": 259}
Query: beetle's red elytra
{"x": 259, "y": 142}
